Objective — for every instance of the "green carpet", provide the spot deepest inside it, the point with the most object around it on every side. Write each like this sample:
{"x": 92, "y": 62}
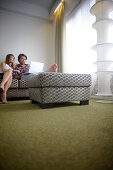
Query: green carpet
{"x": 60, "y": 138}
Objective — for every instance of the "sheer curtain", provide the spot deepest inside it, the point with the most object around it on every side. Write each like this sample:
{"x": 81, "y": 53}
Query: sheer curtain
{"x": 80, "y": 37}
{"x": 60, "y": 36}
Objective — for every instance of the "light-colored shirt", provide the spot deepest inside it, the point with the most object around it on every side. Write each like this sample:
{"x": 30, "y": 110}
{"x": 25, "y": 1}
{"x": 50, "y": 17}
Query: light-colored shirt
{"x": 6, "y": 67}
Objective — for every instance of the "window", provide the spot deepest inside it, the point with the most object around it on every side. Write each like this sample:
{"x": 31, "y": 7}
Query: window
{"x": 80, "y": 37}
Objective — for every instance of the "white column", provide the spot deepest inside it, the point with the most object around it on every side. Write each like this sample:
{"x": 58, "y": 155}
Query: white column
{"x": 101, "y": 10}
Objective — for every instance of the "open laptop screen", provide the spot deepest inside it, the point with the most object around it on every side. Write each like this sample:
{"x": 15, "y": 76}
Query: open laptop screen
{"x": 36, "y": 67}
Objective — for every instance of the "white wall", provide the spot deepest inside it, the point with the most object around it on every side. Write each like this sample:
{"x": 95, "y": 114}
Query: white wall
{"x": 25, "y": 34}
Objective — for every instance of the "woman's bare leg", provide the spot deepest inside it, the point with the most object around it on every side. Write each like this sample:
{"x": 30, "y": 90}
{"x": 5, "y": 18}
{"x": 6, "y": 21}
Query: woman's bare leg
{"x": 4, "y": 98}
{"x": 6, "y": 87}
{"x": 6, "y": 76}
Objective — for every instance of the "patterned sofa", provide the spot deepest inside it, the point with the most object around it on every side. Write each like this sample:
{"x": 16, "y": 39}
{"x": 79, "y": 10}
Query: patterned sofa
{"x": 47, "y": 88}
{"x": 18, "y": 90}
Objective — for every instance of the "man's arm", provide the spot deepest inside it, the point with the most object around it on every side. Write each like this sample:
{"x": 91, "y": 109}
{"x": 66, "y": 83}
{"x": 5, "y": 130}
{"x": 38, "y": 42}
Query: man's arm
{"x": 27, "y": 68}
{"x": 16, "y": 72}
{"x": 23, "y": 71}
{"x": 18, "y": 77}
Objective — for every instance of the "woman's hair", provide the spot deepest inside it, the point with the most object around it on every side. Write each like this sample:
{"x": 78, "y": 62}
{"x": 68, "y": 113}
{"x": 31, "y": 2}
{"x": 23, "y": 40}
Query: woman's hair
{"x": 20, "y": 55}
{"x": 8, "y": 58}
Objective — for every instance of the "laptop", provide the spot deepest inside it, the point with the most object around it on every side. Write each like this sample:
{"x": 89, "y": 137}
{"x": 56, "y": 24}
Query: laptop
{"x": 36, "y": 67}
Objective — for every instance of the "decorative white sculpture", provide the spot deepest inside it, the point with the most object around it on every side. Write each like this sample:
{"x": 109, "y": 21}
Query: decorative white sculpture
{"x": 101, "y": 10}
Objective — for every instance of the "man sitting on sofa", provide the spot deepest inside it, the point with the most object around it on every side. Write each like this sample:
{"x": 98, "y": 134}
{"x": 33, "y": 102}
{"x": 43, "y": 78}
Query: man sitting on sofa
{"x": 24, "y": 68}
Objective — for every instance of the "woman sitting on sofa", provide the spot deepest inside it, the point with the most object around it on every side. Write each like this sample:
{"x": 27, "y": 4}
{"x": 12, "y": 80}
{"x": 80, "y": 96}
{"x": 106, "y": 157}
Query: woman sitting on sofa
{"x": 6, "y": 69}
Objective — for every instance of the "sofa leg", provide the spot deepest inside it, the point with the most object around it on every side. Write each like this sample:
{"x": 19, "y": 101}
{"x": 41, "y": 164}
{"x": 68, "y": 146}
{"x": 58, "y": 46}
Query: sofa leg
{"x": 43, "y": 105}
{"x": 33, "y": 101}
{"x": 46, "y": 105}
{"x": 51, "y": 105}
{"x": 84, "y": 102}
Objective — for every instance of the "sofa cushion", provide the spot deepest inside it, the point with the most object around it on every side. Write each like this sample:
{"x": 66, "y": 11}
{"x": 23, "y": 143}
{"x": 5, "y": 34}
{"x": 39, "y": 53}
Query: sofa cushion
{"x": 14, "y": 84}
{"x": 59, "y": 94}
{"x": 23, "y": 84}
{"x": 51, "y": 79}
{"x": 17, "y": 93}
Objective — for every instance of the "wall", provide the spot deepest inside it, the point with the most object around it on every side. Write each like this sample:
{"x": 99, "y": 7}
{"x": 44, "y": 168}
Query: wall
{"x": 24, "y": 34}
{"x": 70, "y": 5}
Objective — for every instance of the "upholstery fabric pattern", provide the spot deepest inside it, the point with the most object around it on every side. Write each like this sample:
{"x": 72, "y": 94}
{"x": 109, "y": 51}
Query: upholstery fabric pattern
{"x": 48, "y": 79}
{"x": 14, "y": 83}
{"x": 51, "y": 87}
{"x": 18, "y": 89}
{"x": 59, "y": 94}
{"x": 17, "y": 93}
{"x": 23, "y": 84}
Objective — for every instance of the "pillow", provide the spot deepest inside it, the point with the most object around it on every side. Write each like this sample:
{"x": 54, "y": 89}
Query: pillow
{"x": 36, "y": 67}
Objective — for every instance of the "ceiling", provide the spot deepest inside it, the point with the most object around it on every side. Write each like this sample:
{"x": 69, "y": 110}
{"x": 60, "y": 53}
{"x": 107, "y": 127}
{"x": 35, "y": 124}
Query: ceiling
{"x": 44, "y": 3}
{"x": 36, "y": 8}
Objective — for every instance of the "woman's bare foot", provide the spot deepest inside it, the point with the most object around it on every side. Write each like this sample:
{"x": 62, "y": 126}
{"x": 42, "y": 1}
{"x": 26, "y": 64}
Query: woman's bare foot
{"x": 53, "y": 68}
{"x": 3, "y": 98}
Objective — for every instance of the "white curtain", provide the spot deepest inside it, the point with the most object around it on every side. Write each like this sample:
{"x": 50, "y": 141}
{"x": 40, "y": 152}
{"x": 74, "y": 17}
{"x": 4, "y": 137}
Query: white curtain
{"x": 80, "y": 37}
{"x": 60, "y": 36}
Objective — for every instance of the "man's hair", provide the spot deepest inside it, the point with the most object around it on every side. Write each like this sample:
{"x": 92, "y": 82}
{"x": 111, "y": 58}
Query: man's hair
{"x": 8, "y": 58}
{"x": 20, "y": 55}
